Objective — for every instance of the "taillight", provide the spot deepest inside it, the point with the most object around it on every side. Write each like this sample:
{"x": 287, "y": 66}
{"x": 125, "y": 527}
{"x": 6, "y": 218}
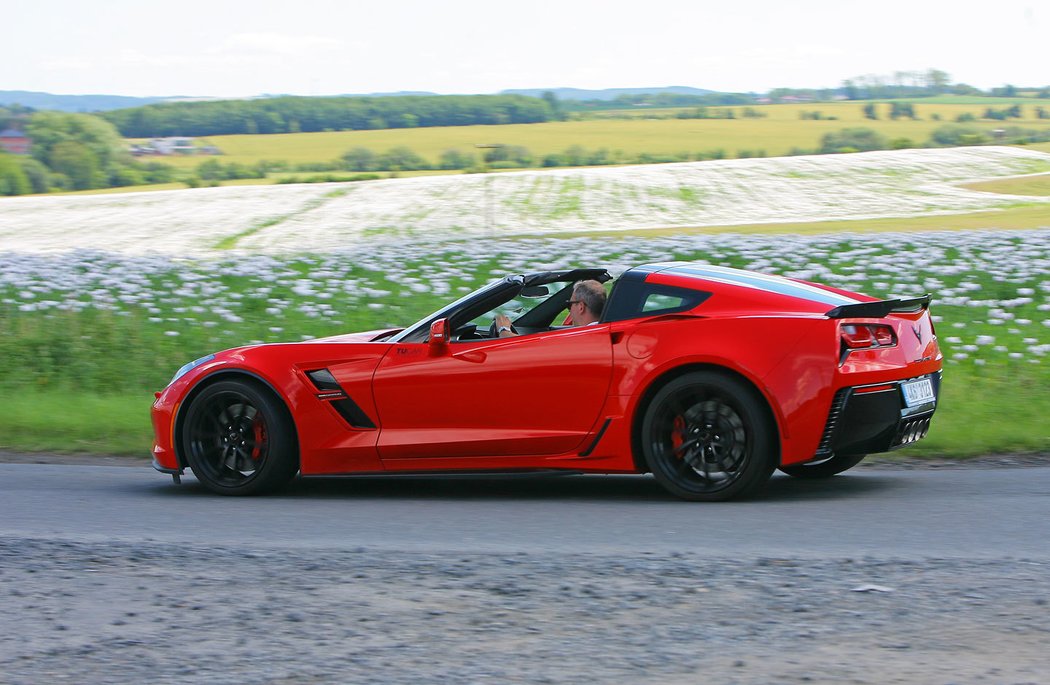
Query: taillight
{"x": 857, "y": 336}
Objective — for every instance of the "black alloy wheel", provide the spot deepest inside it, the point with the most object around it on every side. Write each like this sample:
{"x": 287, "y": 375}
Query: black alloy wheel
{"x": 707, "y": 436}
{"x": 824, "y": 469}
{"x": 238, "y": 439}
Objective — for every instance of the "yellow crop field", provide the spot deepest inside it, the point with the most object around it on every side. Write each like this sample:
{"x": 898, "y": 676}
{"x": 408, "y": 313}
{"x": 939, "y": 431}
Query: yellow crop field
{"x": 781, "y": 130}
{"x": 1038, "y": 185}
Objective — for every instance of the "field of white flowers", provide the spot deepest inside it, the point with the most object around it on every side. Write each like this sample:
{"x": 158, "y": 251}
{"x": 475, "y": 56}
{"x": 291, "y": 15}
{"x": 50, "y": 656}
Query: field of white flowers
{"x": 991, "y": 288}
{"x": 324, "y": 217}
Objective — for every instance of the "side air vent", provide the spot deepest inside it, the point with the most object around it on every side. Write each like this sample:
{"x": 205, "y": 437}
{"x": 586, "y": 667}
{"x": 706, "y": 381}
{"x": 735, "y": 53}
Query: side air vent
{"x": 824, "y": 449}
{"x": 353, "y": 414}
{"x": 324, "y": 381}
{"x": 328, "y": 389}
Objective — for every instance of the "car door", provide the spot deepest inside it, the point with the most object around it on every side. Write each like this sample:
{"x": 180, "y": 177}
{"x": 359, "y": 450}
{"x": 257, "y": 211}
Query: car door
{"x": 537, "y": 394}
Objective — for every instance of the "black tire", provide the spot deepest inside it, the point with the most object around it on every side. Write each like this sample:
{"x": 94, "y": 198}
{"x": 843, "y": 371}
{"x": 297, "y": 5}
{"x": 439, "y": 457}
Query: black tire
{"x": 824, "y": 469}
{"x": 708, "y": 437}
{"x": 239, "y": 439}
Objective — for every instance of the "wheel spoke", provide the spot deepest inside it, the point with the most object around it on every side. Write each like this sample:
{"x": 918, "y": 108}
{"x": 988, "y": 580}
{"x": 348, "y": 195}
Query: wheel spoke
{"x": 685, "y": 445}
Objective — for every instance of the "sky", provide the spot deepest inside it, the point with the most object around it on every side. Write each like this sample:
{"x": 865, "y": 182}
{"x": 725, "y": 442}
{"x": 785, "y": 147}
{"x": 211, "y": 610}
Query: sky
{"x": 226, "y": 48}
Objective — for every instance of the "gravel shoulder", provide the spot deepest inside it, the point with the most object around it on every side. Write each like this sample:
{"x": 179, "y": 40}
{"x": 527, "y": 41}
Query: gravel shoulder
{"x": 119, "y": 613}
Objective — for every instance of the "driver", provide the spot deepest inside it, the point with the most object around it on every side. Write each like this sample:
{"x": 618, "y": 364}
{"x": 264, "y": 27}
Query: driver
{"x": 585, "y": 307}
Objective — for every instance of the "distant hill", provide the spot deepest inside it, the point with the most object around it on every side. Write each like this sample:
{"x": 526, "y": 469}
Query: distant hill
{"x": 400, "y": 93}
{"x": 73, "y": 103}
{"x": 607, "y": 93}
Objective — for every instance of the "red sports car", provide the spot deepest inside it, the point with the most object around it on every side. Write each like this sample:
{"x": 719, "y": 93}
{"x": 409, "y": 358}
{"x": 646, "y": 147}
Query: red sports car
{"x": 707, "y": 377}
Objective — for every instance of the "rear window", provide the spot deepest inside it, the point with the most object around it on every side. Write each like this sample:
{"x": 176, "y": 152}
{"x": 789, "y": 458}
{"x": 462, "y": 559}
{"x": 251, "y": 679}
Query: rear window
{"x": 632, "y": 299}
{"x": 658, "y": 302}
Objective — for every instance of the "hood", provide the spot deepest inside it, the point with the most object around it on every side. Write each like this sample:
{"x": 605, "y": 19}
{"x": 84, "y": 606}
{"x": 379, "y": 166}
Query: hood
{"x": 366, "y": 336}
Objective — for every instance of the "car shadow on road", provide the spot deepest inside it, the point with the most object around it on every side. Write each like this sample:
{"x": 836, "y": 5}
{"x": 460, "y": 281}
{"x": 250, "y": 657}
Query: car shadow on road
{"x": 567, "y": 487}
{"x": 782, "y": 488}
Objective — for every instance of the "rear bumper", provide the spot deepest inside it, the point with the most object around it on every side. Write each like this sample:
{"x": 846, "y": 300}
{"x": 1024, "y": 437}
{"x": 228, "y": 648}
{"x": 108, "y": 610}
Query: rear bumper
{"x": 864, "y": 420}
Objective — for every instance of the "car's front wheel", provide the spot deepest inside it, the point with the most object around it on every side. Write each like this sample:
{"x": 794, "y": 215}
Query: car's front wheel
{"x": 824, "y": 469}
{"x": 707, "y": 436}
{"x": 238, "y": 439}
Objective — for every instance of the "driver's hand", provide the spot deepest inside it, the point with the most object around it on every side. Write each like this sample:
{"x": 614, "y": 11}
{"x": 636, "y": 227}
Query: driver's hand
{"x": 502, "y": 320}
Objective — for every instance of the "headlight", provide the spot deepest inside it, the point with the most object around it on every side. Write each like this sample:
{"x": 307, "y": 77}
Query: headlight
{"x": 186, "y": 368}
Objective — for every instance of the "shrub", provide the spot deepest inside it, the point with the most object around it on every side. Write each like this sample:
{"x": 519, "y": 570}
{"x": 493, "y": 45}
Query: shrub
{"x": 36, "y": 173}
{"x": 953, "y": 135}
{"x": 13, "y": 180}
{"x": 858, "y": 139}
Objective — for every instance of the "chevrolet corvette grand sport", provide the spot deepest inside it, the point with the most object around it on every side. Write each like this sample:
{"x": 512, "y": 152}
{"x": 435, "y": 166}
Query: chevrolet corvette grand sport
{"x": 707, "y": 377}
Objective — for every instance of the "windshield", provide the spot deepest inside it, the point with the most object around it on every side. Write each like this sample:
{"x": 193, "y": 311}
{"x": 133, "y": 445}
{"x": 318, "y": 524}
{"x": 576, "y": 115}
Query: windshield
{"x": 420, "y": 330}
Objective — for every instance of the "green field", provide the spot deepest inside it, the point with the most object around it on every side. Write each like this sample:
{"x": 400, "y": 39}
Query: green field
{"x": 776, "y": 134}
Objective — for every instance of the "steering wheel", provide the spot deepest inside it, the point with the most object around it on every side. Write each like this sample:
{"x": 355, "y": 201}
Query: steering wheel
{"x": 493, "y": 333}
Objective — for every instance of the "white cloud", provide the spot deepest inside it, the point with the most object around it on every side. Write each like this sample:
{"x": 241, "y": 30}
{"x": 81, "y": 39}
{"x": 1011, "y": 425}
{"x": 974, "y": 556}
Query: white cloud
{"x": 65, "y": 64}
{"x": 276, "y": 44}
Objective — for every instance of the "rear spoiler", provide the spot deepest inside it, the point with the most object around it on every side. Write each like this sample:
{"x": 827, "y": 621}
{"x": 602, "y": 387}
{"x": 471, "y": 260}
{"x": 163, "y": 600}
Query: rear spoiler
{"x": 877, "y": 310}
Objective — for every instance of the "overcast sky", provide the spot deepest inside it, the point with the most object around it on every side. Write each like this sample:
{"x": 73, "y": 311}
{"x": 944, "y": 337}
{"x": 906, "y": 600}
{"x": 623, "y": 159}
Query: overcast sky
{"x": 322, "y": 47}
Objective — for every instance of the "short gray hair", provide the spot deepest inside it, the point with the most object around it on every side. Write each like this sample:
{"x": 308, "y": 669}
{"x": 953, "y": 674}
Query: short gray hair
{"x": 591, "y": 293}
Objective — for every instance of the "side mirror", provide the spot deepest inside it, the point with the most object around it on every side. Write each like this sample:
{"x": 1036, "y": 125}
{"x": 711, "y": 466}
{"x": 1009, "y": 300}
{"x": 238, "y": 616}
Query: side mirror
{"x": 440, "y": 335}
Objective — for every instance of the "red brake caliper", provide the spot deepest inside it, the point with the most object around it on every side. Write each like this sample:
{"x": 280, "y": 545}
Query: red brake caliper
{"x": 259, "y": 435}
{"x": 677, "y": 434}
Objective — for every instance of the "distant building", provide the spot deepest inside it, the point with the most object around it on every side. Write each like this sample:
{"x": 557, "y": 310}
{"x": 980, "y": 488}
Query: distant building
{"x": 175, "y": 145}
{"x": 14, "y": 141}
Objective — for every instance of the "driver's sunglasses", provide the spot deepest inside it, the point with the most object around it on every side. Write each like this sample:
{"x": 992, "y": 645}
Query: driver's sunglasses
{"x": 572, "y": 302}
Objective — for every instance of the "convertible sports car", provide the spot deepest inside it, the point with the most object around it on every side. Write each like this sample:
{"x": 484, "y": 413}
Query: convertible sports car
{"x": 707, "y": 377}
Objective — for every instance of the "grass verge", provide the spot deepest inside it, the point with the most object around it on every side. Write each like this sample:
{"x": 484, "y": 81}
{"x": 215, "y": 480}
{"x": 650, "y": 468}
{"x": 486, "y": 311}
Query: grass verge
{"x": 974, "y": 418}
{"x": 75, "y": 422}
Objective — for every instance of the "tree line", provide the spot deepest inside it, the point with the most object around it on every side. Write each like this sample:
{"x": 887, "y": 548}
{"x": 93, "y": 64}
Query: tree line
{"x": 862, "y": 139}
{"x": 655, "y": 101}
{"x": 292, "y": 114}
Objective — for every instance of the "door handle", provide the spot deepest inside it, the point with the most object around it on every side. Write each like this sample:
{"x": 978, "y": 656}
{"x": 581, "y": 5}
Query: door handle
{"x": 475, "y": 356}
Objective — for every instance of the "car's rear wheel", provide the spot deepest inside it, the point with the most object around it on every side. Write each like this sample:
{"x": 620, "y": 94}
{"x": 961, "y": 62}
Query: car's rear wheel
{"x": 824, "y": 469}
{"x": 707, "y": 436}
{"x": 238, "y": 439}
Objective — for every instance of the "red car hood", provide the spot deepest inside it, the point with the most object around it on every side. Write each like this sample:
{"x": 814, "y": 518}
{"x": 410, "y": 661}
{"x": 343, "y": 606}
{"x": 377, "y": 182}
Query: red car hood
{"x": 366, "y": 336}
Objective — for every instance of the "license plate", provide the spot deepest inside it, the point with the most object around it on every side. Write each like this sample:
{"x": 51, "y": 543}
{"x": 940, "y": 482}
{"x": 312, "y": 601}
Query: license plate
{"x": 918, "y": 392}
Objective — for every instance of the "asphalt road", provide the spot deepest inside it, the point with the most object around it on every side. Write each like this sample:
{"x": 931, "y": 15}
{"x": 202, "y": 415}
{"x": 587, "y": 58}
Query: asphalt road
{"x": 974, "y": 513}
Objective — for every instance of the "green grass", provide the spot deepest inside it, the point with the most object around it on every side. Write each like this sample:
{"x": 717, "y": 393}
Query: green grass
{"x": 71, "y": 421}
{"x": 979, "y": 414}
{"x": 988, "y": 413}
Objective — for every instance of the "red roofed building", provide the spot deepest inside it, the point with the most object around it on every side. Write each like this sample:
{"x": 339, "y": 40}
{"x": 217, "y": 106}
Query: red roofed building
{"x": 14, "y": 141}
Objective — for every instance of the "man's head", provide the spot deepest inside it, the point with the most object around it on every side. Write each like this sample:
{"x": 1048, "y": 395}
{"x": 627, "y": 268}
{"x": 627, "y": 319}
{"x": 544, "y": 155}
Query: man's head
{"x": 587, "y": 302}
